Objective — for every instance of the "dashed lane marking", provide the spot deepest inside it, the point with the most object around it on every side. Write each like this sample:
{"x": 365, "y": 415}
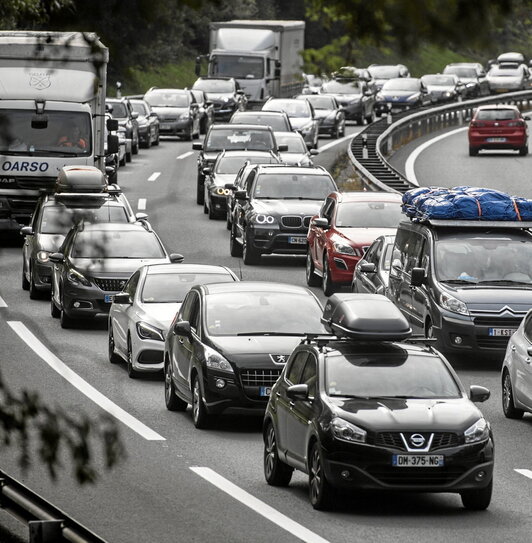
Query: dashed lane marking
{"x": 154, "y": 176}
{"x": 2, "y": 302}
{"x": 85, "y": 388}
{"x": 284, "y": 522}
{"x": 185, "y": 155}
{"x": 525, "y": 472}
{"x": 141, "y": 205}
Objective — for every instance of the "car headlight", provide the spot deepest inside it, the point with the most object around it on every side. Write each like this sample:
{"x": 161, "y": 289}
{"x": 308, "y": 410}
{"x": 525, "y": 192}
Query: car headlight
{"x": 452, "y": 304}
{"x": 344, "y": 248}
{"x": 413, "y": 98}
{"x": 221, "y": 191}
{"x": 480, "y": 431}
{"x": 448, "y": 94}
{"x": 43, "y": 256}
{"x": 184, "y": 116}
{"x": 307, "y": 128}
{"x": 264, "y": 219}
{"x": 147, "y": 331}
{"x": 471, "y": 85}
{"x": 347, "y": 431}
{"x": 215, "y": 361}
{"x": 76, "y": 277}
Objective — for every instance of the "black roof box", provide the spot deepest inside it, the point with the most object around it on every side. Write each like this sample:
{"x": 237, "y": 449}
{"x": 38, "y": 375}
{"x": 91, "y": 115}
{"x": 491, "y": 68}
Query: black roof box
{"x": 80, "y": 179}
{"x": 366, "y": 317}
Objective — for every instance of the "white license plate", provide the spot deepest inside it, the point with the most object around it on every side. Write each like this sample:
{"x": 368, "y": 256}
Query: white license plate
{"x": 265, "y": 391}
{"x": 297, "y": 240}
{"x": 496, "y": 140}
{"x": 166, "y": 126}
{"x": 418, "y": 460}
{"x": 108, "y": 298}
{"x": 501, "y": 331}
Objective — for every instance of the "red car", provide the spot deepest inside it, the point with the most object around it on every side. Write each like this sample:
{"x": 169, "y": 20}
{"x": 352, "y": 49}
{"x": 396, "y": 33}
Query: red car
{"x": 346, "y": 226}
{"x": 498, "y": 127}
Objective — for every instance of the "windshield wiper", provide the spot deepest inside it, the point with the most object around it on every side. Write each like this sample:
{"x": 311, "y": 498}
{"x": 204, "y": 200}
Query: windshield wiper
{"x": 504, "y": 282}
{"x": 271, "y": 334}
{"x": 459, "y": 282}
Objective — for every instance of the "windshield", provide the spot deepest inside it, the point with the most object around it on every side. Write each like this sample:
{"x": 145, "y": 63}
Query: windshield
{"x": 461, "y": 72}
{"x": 173, "y": 287}
{"x": 391, "y": 373}
{"x": 118, "y": 110}
{"x": 296, "y": 144}
{"x": 232, "y": 164}
{"x": 384, "y": 72}
{"x": 320, "y": 102}
{"x": 438, "y": 80}
{"x": 335, "y": 87}
{"x": 161, "y": 98}
{"x": 293, "y": 108}
{"x": 67, "y": 134}
{"x": 314, "y": 80}
{"x": 369, "y": 215}
{"x": 59, "y": 219}
{"x": 496, "y": 114}
{"x": 387, "y": 260}
{"x": 505, "y": 72}
{"x": 263, "y": 313}
{"x": 484, "y": 259}
{"x": 116, "y": 244}
{"x": 214, "y": 85}
{"x": 227, "y": 139}
{"x": 402, "y": 85}
{"x": 139, "y": 108}
{"x": 299, "y": 186}
{"x": 275, "y": 122}
{"x": 239, "y": 67}
{"x": 198, "y": 95}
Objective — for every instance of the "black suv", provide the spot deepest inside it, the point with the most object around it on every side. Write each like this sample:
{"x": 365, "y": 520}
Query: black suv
{"x": 229, "y": 343}
{"x": 273, "y": 213}
{"x": 230, "y": 137}
{"x": 365, "y": 409}
{"x": 122, "y": 110}
{"x": 225, "y": 95}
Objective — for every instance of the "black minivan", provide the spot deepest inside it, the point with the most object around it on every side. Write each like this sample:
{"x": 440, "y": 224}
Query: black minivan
{"x": 468, "y": 284}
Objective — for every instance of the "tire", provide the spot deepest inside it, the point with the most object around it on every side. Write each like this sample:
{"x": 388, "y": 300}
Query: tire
{"x": 66, "y": 320}
{"x": 189, "y": 136}
{"x": 54, "y": 311}
{"x": 147, "y": 145}
{"x": 250, "y": 255}
{"x": 235, "y": 248}
{"x": 429, "y": 329}
{"x": 135, "y": 147}
{"x": 205, "y": 208}
{"x": 200, "y": 193}
{"x": 320, "y": 491}
{"x": 123, "y": 160}
{"x": 173, "y": 403}
{"x": 113, "y": 357}
{"x": 276, "y": 472}
{"x": 131, "y": 372}
{"x": 129, "y": 157}
{"x": 35, "y": 293}
{"x": 478, "y": 499}
{"x": 473, "y": 151}
{"x": 310, "y": 273}
{"x": 228, "y": 222}
{"x": 200, "y": 417}
{"x": 25, "y": 283}
{"x": 523, "y": 151}
{"x": 326, "y": 282}
{"x": 212, "y": 214}
{"x": 508, "y": 402}
{"x": 157, "y": 139}
{"x": 342, "y": 133}
{"x": 371, "y": 117}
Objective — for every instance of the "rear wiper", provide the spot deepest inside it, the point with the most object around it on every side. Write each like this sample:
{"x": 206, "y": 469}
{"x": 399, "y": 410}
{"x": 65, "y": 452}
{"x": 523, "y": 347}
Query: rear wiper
{"x": 271, "y": 334}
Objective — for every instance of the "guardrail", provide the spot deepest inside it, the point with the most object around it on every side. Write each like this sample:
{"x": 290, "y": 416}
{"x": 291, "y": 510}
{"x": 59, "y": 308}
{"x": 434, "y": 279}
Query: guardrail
{"x": 370, "y": 149}
{"x": 47, "y": 523}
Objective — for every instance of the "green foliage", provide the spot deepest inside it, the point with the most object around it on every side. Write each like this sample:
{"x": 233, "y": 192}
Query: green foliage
{"x": 28, "y": 13}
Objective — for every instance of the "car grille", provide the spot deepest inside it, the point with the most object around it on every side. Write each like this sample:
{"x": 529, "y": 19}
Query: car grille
{"x": 499, "y": 322}
{"x": 260, "y": 378}
{"x": 391, "y": 475}
{"x": 295, "y": 221}
{"x": 492, "y": 342}
{"x": 113, "y": 285}
{"x": 441, "y": 440}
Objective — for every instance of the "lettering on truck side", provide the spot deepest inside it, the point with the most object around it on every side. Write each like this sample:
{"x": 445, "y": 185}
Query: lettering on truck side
{"x": 24, "y": 166}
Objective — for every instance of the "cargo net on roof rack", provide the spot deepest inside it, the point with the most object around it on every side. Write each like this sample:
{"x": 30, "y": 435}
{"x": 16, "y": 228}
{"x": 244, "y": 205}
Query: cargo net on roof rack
{"x": 465, "y": 203}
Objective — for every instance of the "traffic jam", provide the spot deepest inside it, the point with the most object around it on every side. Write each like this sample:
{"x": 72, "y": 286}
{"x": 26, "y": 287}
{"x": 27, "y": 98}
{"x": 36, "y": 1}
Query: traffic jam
{"x": 352, "y": 369}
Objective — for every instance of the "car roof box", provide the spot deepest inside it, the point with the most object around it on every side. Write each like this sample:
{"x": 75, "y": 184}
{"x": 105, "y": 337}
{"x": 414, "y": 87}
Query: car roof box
{"x": 365, "y": 317}
{"x": 80, "y": 179}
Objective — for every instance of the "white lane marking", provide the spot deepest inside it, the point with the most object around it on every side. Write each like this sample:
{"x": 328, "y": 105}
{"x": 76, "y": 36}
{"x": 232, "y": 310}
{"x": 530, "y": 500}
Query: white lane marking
{"x": 525, "y": 472}
{"x": 2, "y": 302}
{"x": 335, "y": 142}
{"x": 286, "y": 523}
{"x": 85, "y": 388}
{"x": 141, "y": 205}
{"x": 410, "y": 162}
{"x": 154, "y": 176}
{"x": 185, "y": 155}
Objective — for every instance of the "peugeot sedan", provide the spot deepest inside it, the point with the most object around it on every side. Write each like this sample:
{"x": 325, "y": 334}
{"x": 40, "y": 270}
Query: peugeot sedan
{"x": 401, "y": 94}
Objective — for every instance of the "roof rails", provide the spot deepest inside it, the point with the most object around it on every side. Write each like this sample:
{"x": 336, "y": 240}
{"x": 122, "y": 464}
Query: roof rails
{"x": 322, "y": 340}
{"x": 475, "y": 224}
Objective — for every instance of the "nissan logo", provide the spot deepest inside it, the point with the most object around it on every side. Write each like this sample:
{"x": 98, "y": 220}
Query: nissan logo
{"x": 417, "y": 440}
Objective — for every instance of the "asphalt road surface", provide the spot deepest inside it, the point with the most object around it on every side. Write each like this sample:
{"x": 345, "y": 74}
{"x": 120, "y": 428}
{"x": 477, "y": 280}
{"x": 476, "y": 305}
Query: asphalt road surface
{"x": 182, "y": 484}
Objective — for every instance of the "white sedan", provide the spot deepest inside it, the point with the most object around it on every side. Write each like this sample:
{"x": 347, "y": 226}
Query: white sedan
{"x": 141, "y": 314}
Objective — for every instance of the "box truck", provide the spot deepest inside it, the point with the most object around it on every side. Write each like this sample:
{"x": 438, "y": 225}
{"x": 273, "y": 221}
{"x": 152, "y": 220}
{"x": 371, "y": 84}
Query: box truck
{"x": 263, "y": 56}
{"x": 52, "y": 114}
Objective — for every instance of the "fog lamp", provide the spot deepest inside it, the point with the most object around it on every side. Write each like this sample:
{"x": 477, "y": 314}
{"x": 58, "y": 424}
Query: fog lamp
{"x": 345, "y": 474}
{"x": 76, "y": 304}
{"x": 458, "y": 340}
{"x": 481, "y": 475}
{"x": 220, "y": 383}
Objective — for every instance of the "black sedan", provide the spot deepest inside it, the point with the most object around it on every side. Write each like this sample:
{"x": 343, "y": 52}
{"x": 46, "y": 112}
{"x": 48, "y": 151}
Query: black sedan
{"x": 443, "y": 87}
{"x": 354, "y": 96}
{"x": 368, "y": 411}
{"x": 329, "y": 114}
{"x": 229, "y": 343}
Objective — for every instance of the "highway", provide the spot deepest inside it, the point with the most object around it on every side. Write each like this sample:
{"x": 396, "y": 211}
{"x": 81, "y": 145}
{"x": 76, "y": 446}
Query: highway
{"x": 178, "y": 482}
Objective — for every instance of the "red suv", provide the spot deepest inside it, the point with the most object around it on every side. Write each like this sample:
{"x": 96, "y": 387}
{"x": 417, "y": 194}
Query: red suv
{"x": 346, "y": 226}
{"x": 498, "y": 127}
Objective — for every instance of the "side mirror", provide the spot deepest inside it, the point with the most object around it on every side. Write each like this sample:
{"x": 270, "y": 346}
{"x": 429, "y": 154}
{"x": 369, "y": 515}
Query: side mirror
{"x": 241, "y": 92}
{"x": 197, "y": 146}
{"x": 297, "y": 392}
{"x": 229, "y": 186}
{"x": 111, "y": 124}
{"x": 26, "y": 231}
{"x": 321, "y": 222}
{"x": 134, "y": 114}
{"x": 241, "y": 195}
{"x": 176, "y": 258}
{"x": 122, "y": 298}
{"x": 368, "y": 267}
{"x": 141, "y": 216}
{"x": 526, "y": 117}
{"x": 529, "y": 351}
{"x": 57, "y": 258}
{"x": 396, "y": 265}
{"x": 314, "y": 152}
{"x": 206, "y": 171}
{"x": 182, "y": 328}
{"x": 113, "y": 144}
{"x": 282, "y": 147}
{"x": 208, "y": 103}
{"x": 418, "y": 277}
{"x": 478, "y": 394}
{"x": 154, "y": 115}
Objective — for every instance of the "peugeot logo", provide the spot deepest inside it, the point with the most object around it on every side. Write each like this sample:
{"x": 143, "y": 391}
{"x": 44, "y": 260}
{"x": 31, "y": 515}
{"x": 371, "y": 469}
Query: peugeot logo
{"x": 122, "y": 283}
{"x": 417, "y": 440}
{"x": 278, "y": 358}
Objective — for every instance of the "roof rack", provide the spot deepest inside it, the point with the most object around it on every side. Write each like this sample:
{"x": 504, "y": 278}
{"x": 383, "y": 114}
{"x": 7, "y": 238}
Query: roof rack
{"x": 452, "y": 223}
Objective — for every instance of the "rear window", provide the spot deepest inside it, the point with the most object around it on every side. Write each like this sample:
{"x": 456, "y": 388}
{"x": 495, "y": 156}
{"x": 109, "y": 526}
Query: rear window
{"x": 276, "y": 123}
{"x": 238, "y": 139}
{"x": 369, "y": 215}
{"x": 116, "y": 244}
{"x": 60, "y": 219}
{"x": 497, "y": 114}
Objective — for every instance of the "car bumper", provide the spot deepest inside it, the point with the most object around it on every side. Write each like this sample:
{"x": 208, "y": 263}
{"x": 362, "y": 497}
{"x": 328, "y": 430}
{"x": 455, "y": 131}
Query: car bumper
{"x": 148, "y": 354}
{"x": 352, "y": 111}
{"x": 342, "y": 267}
{"x": 512, "y": 141}
{"x": 218, "y": 202}
{"x": 42, "y": 275}
{"x": 394, "y": 107}
{"x": 175, "y": 128}
{"x": 271, "y": 241}
{"x": 85, "y": 302}
{"x": 224, "y": 113}
{"x": 327, "y": 127}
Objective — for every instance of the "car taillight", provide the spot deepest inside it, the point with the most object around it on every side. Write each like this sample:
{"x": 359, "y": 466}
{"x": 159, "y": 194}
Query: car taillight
{"x": 520, "y": 123}
{"x": 477, "y": 124}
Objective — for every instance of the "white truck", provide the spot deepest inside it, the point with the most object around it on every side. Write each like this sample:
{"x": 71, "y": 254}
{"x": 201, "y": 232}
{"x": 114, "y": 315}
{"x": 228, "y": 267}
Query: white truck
{"x": 263, "y": 56}
{"x": 52, "y": 114}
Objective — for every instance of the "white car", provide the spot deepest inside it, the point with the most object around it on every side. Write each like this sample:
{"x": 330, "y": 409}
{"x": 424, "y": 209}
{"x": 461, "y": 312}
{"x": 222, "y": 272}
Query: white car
{"x": 141, "y": 314}
{"x": 516, "y": 376}
{"x": 297, "y": 153}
